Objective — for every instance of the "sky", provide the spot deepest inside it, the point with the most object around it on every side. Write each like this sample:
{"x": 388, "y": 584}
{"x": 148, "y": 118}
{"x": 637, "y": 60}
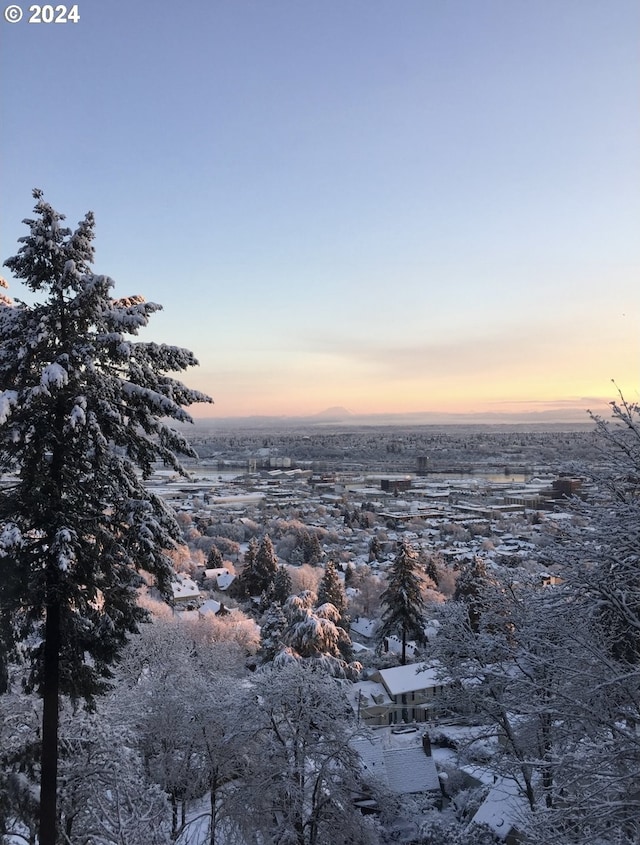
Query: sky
{"x": 391, "y": 206}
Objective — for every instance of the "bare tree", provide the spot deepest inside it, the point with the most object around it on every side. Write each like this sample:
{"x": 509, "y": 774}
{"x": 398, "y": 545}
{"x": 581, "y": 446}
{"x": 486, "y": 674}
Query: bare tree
{"x": 302, "y": 787}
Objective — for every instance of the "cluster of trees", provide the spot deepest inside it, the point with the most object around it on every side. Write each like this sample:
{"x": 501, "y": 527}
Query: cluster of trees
{"x": 555, "y": 672}
{"x": 292, "y": 540}
{"x": 260, "y": 569}
{"x": 183, "y": 721}
{"x": 309, "y": 626}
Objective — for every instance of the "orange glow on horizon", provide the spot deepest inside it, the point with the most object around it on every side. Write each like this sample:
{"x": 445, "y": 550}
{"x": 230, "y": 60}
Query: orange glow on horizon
{"x": 575, "y": 406}
{"x": 296, "y": 395}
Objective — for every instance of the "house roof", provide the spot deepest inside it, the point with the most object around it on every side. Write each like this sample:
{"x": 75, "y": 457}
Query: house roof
{"x": 209, "y": 606}
{"x": 502, "y": 808}
{"x": 184, "y": 588}
{"x": 404, "y": 770}
{"x": 403, "y": 679}
{"x": 225, "y": 580}
{"x": 371, "y": 756}
{"x": 394, "y": 645}
{"x": 367, "y": 694}
{"x": 410, "y": 770}
{"x": 216, "y": 572}
{"x": 363, "y": 626}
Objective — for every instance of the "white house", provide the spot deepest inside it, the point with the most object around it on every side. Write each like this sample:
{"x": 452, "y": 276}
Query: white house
{"x": 414, "y": 691}
{"x": 184, "y": 589}
{"x": 401, "y": 694}
{"x": 370, "y": 702}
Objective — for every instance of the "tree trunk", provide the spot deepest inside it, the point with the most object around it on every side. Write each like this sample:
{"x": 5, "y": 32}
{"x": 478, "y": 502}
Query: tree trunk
{"x": 50, "y": 698}
{"x": 174, "y": 816}
{"x": 547, "y": 768}
{"x": 216, "y": 782}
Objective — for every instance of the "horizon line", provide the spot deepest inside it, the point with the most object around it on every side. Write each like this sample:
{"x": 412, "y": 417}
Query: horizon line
{"x": 568, "y": 416}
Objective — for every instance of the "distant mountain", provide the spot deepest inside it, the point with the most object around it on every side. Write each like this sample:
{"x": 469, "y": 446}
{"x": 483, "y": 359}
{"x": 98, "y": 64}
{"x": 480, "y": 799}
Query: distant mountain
{"x": 334, "y": 414}
{"x": 568, "y": 419}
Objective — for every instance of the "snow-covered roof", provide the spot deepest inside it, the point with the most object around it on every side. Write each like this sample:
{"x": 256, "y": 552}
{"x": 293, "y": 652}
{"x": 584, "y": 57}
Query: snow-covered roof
{"x": 363, "y": 626}
{"x": 405, "y": 770}
{"x": 224, "y": 580}
{"x": 370, "y": 752}
{"x": 214, "y": 573}
{"x": 184, "y": 588}
{"x": 402, "y": 679}
{"x": 367, "y": 694}
{"x": 502, "y": 808}
{"x": 221, "y": 575}
{"x": 410, "y": 770}
{"x": 394, "y": 645}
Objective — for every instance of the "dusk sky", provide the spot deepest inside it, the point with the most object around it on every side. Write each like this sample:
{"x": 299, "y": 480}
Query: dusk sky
{"x": 386, "y": 205}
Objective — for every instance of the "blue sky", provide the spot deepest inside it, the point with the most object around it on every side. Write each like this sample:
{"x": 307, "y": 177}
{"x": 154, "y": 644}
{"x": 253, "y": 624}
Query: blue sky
{"x": 389, "y": 205}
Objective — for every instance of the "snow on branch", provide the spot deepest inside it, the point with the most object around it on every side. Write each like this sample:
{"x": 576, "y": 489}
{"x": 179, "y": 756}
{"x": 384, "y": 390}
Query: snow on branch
{"x": 63, "y": 548}
{"x": 10, "y": 539}
{"x": 8, "y": 400}
{"x": 55, "y": 376}
{"x": 4, "y": 299}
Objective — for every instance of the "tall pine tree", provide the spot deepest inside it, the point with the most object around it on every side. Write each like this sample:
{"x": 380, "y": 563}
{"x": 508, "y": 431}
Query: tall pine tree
{"x": 81, "y": 424}
{"x": 403, "y": 606}
{"x": 282, "y": 585}
{"x": 214, "y": 558}
{"x": 266, "y": 564}
{"x": 331, "y": 589}
{"x": 246, "y": 583}
{"x": 470, "y": 589}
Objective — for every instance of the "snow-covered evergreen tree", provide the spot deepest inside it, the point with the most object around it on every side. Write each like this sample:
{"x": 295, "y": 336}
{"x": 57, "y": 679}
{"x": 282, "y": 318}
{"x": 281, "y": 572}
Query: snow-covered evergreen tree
{"x": 331, "y": 589}
{"x": 82, "y": 410}
{"x": 470, "y": 587}
{"x": 246, "y": 583}
{"x": 282, "y": 585}
{"x": 403, "y": 607}
{"x": 375, "y": 549}
{"x": 214, "y": 558}
{"x": 314, "y": 633}
{"x": 260, "y": 568}
{"x": 309, "y": 544}
{"x": 271, "y": 632}
{"x": 266, "y": 564}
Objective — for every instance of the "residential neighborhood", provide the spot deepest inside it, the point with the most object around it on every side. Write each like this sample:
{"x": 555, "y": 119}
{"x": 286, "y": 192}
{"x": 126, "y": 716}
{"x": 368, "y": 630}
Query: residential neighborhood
{"x": 415, "y": 729}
